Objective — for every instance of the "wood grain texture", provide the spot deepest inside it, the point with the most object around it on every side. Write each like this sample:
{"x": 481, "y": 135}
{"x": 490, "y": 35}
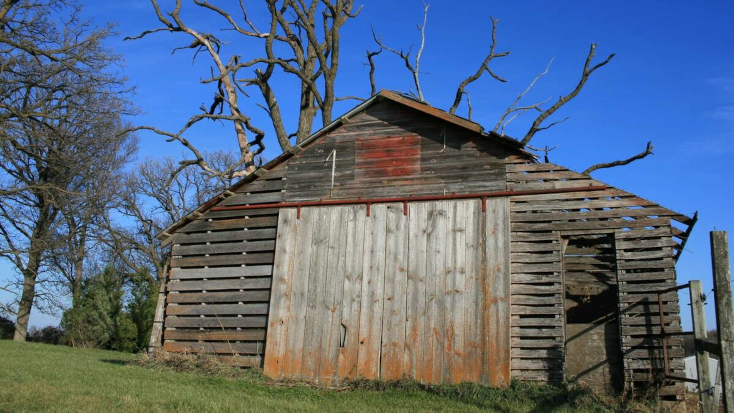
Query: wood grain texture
{"x": 392, "y": 150}
{"x": 387, "y": 296}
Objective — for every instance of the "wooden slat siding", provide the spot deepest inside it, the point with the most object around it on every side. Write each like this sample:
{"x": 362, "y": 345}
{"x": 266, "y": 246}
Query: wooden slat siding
{"x": 416, "y": 313}
{"x": 216, "y": 322}
{"x": 224, "y": 236}
{"x": 352, "y": 294}
{"x": 221, "y": 335}
{"x": 645, "y": 244}
{"x": 219, "y": 284}
{"x": 221, "y": 276}
{"x": 373, "y": 282}
{"x": 433, "y": 349}
{"x": 473, "y": 294}
{"x": 299, "y": 295}
{"x": 497, "y": 295}
{"x": 214, "y": 347}
{"x": 394, "y": 311}
{"x": 456, "y": 272}
{"x": 213, "y": 273}
{"x": 315, "y": 312}
{"x": 221, "y": 297}
{"x": 392, "y": 150}
{"x": 281, "y": 286}
{"x": 647, "y": 265}
{"x": 383, "y": 311}
{"x": 218, "y": 309}
{"x": 333, "y": 295}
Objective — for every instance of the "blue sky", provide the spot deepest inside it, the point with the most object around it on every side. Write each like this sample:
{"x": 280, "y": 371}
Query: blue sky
{"x": 672, "y": 82}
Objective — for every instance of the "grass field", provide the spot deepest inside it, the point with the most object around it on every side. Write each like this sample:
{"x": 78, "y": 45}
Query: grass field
{"x": 39, "y": 377}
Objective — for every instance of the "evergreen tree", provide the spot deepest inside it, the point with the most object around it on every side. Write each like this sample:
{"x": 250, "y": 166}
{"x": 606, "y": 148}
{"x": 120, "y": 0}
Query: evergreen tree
{"x": 99, "y": 319}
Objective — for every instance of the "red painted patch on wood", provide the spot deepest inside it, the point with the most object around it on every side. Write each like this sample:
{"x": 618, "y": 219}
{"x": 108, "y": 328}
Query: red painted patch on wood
{"x": 389, "y": 157}
{"x": 373, "y": 142}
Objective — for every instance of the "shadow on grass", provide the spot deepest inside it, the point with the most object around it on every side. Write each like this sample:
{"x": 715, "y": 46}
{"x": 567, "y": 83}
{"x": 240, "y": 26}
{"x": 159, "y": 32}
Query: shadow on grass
{"x": 117, "y": 362}
{"x": 525, "y": 396}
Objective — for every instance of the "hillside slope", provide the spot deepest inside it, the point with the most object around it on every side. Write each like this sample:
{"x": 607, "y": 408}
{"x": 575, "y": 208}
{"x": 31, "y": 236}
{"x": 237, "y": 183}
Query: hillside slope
{"x": 38, "y": 377}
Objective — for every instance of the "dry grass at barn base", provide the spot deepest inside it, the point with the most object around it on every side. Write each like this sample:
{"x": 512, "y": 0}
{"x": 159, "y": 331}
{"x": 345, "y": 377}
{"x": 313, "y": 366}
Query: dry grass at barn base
{"x": 38, "y": 377}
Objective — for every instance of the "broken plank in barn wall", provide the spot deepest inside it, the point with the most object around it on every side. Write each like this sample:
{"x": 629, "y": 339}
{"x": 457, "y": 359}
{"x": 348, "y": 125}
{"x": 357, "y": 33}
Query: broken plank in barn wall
{"x": 416, "y": 291}
{"x": 373, "y": 274}
{"x": 281, "y": 289}
{"x": 473, "y": 293}
{"x": 333, "y": 294}
{"x": 315, "y": 312}
{"x": 433, "y": 350}
{"x": 293, "y": 358}
{"x": 497, "y": 291}
{"x": 394, "y": 312}
{"x": 352, "y": 295}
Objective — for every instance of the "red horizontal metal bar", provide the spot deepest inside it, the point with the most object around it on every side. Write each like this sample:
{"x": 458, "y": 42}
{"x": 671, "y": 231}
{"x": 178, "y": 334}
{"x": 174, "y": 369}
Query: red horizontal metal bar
{"x": 369, "y": 201}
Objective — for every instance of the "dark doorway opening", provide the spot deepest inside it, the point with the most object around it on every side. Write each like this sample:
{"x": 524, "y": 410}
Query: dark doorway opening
{"x": 593, "y": 351}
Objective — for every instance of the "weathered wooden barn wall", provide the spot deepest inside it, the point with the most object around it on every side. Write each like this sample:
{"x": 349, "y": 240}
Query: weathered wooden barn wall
{"x": 393, "y": 150}
{"x": 645, "y": 251}
{"x": 219, "y": 288}
{"x": 422, "y": 293}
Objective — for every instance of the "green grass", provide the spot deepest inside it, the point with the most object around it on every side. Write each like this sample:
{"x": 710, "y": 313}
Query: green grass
{"x": 39, "y": 377}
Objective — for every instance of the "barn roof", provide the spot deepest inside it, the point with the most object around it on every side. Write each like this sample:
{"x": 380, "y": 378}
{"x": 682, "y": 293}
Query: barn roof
{"x": 511, "y": 143}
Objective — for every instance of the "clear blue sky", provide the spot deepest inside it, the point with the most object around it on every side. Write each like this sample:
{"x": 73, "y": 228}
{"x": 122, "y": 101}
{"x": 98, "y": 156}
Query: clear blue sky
{"x": 671, "y": 82}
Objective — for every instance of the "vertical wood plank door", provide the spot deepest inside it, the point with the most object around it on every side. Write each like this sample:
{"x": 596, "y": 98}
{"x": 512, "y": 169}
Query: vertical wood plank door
{"x": 421, "y": 293}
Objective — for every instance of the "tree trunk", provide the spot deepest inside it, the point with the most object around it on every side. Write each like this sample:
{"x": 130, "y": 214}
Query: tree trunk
{"x": 79, "y": 255}
{"x": 38, "y": 243}
{"x": 26, "y": 299}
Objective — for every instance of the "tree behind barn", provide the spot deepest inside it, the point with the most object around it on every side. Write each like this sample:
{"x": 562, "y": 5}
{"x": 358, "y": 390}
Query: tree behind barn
{"x": 59, "y": 126}
{"x": 303, "y": 39}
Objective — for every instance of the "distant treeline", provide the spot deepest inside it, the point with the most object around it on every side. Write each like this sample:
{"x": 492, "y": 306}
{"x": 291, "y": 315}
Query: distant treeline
{"x": 114, "y": 312}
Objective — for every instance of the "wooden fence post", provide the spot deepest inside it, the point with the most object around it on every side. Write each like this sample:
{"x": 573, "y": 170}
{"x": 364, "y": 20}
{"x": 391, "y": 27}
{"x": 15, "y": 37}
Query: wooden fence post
{"x": 702, "y": 356}
{"x": 724, "y": 314}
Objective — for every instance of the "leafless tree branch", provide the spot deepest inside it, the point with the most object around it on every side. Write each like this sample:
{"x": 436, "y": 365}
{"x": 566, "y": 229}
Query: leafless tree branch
{"x": 522, "y": 109}
{"x": 484, "y": 67}
{"x": 565, "y": 99}
{"x": 371, "y": 63}
{"x": 413, "y": 68}
{"x": 641, "y": 155}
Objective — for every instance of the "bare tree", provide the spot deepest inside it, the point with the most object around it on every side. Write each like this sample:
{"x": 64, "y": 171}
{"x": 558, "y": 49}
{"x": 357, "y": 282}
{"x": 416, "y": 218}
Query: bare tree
{"x": 587, "y": 71}
{"x": 309, "y": 32}
{"x": 484, "y": 67}
{"x": 81, "y": 231}
{"x": 58, "y": 86}
{"x": 149, "y": 201}
{"x": 412, "y": 66}
{"x": 514, "y": 110}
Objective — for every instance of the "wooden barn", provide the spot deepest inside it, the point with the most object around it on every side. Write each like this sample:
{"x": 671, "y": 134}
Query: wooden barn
{"x": 402, "y": 241}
